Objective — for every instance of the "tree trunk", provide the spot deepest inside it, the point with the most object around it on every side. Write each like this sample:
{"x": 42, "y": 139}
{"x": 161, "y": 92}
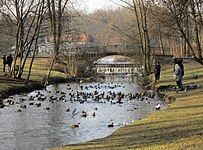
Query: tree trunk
{"x": 30, "y": 68}
{"x": 161, "y": 44}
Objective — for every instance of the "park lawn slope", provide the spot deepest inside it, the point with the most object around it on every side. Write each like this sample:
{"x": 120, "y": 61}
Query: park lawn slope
{"x": 39, "y": 71}
{"x": 179, "y": 126}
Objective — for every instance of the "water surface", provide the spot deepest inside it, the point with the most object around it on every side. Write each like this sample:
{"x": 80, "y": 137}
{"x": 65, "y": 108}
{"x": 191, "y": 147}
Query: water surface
{"x": 48, "y": 125}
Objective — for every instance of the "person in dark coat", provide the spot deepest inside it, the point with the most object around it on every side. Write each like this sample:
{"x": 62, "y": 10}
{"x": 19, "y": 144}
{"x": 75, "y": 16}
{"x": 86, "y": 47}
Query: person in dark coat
{"x": 4, "y": 62}
{"x": 157, "y": 71}
{"x": 180, "y": 63}
{"x": 9, "y": 61}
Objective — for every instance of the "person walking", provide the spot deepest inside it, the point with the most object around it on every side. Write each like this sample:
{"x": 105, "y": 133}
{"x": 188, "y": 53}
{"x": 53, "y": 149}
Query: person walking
{"x": 178, "y": 74}
{"x": 157, "y": 71}
{"x": 9, "y": 61}
{"x": 4, "y": 62}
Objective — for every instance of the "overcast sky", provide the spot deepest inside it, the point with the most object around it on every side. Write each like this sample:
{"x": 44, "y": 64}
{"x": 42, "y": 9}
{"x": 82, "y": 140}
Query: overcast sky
{"x": 92, "y": 5}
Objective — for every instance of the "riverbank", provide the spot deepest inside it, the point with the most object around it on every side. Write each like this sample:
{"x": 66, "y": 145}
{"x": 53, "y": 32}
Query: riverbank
{"x": 179, "y": 126}
{"x": 40, "y": 69}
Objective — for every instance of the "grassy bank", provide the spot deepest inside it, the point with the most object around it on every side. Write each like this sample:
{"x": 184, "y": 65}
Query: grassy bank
{"x": 39, "y": 71}
{"x": 179, "y": 126}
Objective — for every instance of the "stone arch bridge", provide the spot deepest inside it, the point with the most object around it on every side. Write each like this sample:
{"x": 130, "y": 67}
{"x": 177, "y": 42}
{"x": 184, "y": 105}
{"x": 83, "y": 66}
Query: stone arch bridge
{"x": 91, "y": 54}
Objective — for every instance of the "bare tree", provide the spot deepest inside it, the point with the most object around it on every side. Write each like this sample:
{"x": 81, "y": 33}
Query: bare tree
{"x": 186, "y": 17}
{"x": 23, "y": 17}
{"x": 141, "y": 10}
{"x": 132, "y": 25}
{"x": 35, "y": 38}
{"x": 56, "y": 11}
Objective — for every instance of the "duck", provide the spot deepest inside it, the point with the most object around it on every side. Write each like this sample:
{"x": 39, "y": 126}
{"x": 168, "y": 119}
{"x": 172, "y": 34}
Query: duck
{"x": 38, "y": 94}
{"x": 62, "y": 98}
{"x": 31, "y": 98}
{"x": 111, "y": 125}
{"x": 63, "y": 93}
{"x": 42, "y": 98}
{"x": 83, "y": 114}
{"x": 47, "y": 108}
{"x": 74, "y": 125}
{"x": 10, "y": 101}
{"x": 32, "y": 103}
{"x": 148, "y": 102}
{"x": 94, "y": 114}
{"x": 19, "y": 110}
{"x": 22, "y": 99}
{"x": 125, "y": 123}
{"x": 157, "y": 107}
{"x": 82, "y": 101}
{"x": 35, "y": 99}
{"x": 23, "y": 106}
{"x": 38, "y": 104}
{"x": 53, "y": 98}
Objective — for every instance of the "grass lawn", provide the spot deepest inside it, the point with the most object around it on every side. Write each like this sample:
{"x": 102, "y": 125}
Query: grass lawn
{"x": 179, "y": 126}
{"x": 39, "y": 70}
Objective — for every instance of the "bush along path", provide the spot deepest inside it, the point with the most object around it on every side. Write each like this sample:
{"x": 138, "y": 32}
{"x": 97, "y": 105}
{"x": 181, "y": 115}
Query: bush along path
{"x": 179, "y": 126}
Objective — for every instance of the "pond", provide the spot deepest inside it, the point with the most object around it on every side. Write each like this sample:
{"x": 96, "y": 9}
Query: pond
{"x": 72, "y": 113}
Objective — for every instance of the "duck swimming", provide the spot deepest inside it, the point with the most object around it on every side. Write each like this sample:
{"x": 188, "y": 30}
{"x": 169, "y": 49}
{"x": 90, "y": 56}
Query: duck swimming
{"x": 157, "y": 107}
{"x": 111, "y": 125}
{"x": 74, "y": 125}
{"x": 83, "y": 114}
{"x": 94, "y": 114}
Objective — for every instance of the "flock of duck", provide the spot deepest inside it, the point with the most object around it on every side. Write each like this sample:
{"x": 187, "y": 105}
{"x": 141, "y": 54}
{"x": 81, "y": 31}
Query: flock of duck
{"x": 191, "y": 86}
{"x": 81, "y": 94}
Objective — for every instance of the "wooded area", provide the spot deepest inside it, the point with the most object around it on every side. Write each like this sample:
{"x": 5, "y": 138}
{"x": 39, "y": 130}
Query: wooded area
{"x": 171, "y": 27}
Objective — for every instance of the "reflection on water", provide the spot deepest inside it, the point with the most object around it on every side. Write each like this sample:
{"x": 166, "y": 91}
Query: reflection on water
{"x": 48, "y": 125}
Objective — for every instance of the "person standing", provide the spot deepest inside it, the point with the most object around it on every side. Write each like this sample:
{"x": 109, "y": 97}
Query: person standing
{"x": 178, "y": 74}
{"x": 4, "y": 62}
{"x": 9, "y": 61}
{"x": 180, "y": 63}
{"x": 157, "y": 71}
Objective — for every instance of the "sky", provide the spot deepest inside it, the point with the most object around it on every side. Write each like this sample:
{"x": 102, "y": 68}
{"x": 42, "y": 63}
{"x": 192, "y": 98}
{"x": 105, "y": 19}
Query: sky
{"x": 92, "y": 5}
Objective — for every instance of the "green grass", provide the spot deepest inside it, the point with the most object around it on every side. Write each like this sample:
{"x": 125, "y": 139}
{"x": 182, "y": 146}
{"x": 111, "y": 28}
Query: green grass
{"x": 39, "y": 70}
{"x": 179, "y": 126}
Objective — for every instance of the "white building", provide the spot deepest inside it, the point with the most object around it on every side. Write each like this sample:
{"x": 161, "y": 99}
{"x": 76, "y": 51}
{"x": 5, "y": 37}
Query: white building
{"x": 110, "y": 65}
